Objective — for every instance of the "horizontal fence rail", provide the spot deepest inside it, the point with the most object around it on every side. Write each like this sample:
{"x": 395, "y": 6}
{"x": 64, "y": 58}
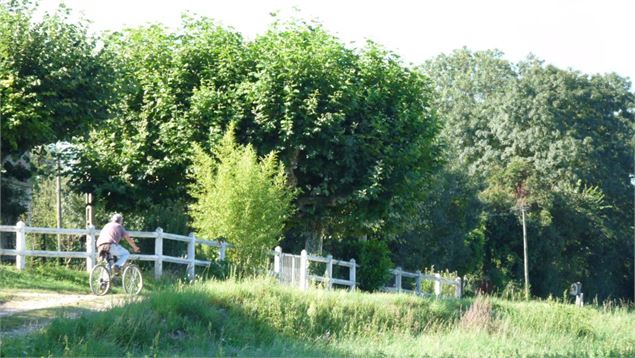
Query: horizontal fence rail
{"x": 90, "y": 234}
{"x": 419, "y": 277}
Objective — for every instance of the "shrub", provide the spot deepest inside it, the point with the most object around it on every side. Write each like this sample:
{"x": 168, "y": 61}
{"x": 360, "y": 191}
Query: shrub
{"x": 373, "y": 258}
{"x": 240, "y": 198}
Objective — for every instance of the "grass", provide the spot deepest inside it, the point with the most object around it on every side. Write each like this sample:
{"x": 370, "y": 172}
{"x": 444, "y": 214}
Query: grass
{"x": 45, "y": 278}
{"x": 60, "y": 279}
{"x": 258, "y": 317}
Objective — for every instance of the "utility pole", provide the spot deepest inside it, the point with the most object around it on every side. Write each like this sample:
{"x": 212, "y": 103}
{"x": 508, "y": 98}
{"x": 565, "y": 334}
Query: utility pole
{"x": 633, "y": 184}
{"x": 521, "y": 204}
{"x": 58, "y": 192}
{"x": 522, "y": 211}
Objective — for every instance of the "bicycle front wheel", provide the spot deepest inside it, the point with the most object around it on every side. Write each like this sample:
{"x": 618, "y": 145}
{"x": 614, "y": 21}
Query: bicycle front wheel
{"x": 132, "y": 280}
{"x": 100, "y": 280}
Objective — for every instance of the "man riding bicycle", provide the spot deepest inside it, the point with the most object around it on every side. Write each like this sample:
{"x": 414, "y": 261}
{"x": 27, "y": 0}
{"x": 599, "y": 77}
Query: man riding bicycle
{"x": 109, "y": 239}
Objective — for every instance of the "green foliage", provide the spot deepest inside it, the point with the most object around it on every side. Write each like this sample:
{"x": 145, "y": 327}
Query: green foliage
{"x": 54, "y": 84}
{"x": 373, "y": 258}
{"x": 138, "y": 159}
{"x": 375, "y": 263}
{"x": 241, "y": 199}
{"x": 542, "y": 132}
{"x": 450, "y": 231}
{"x": 355, "y": 131}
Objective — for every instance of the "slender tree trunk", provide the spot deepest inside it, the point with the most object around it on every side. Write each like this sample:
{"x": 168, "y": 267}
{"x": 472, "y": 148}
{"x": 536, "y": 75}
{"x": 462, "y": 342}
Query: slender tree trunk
{"x": 522, "y": 211}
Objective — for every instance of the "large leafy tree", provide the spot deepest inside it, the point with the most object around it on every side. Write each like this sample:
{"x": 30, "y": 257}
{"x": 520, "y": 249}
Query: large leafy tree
{"x": 355, "y": 129}
{"x": 137, "y": 161}
{"x": 54, "y": 84}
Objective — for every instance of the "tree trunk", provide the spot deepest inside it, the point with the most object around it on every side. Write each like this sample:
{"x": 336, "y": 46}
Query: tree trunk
{"x": 314, "y": 239}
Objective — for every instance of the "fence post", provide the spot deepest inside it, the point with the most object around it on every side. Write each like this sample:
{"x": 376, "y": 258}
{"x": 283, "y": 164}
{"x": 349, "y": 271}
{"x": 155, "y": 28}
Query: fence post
{"x": 418, "y": 290}
{"x": 277, "y": 257}
{"x": 221, "y": 253}
{"x": 90, "y": 248}
{"x": 191, "y": 257}
{"x": 329, "y": 271}
{"x": 353, "y": 274}
{"x": 437, "y": 284}
{"x": 158, "y": 252}
{"x": 459, "y": 287}
{"x": 20, "y": 246}
{"x": 304, "y": 270}
{"x": 398, "y": 279}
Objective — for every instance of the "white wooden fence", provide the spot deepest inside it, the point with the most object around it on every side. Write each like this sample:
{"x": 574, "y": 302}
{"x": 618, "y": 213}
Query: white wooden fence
{"x": 295, "y": 269}
{"x": 289, "y": 268}
{"x": 419, "y": 277}
{"x": 90, "y": 234}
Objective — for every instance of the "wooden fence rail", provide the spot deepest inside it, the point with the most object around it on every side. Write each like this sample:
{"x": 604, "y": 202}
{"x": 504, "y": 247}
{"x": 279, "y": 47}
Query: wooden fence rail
{"x": 297, "y": 271}
{"x": 419, "y": 277}
{"x": 91, "y": 233}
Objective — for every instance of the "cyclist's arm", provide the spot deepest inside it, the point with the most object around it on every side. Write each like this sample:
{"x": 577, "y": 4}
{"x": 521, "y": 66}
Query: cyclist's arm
{"x": 134, "y": 246}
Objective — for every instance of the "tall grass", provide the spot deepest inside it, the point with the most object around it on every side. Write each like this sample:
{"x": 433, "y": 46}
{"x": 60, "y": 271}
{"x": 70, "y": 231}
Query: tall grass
{"x": 258, "y": 317}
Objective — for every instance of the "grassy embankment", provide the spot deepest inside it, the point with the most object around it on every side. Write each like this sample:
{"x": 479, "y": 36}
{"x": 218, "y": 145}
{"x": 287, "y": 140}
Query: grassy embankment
{"x": 260, "y": 318}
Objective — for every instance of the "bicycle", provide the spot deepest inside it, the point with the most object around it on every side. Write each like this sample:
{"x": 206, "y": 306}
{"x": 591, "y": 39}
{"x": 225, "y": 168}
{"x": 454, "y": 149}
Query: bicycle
{"x": 101, "y": 277}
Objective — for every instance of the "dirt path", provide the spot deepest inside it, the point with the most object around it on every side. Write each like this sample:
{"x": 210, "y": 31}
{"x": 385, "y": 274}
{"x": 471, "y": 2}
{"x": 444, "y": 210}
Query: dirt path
{"x": 28, "y": 301}
{"x": 25, "y": 311}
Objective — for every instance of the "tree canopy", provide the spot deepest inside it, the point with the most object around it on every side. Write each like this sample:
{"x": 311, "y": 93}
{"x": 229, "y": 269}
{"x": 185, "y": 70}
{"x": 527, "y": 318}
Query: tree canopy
{"x": 54, "y": 84}
{"x": 354, "y": 130}
{"x": 572, "y": 134}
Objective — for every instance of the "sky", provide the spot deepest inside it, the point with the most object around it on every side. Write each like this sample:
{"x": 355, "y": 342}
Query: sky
{"x": 591, "y": 36}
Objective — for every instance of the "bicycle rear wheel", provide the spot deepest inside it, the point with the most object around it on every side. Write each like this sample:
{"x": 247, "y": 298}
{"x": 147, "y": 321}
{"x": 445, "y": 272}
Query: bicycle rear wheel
{"x": 132, "y": 280}
{"x": 100, "y": 280}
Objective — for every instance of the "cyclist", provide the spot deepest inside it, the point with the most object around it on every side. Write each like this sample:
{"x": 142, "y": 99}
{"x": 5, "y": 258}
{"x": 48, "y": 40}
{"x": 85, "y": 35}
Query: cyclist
{"x": 109, "y": 239}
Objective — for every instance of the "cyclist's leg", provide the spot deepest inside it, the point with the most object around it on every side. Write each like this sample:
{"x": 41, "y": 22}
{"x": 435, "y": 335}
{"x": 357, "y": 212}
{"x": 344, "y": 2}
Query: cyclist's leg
{"x": 121, "y": 253}
{"x": 104, "y": 255}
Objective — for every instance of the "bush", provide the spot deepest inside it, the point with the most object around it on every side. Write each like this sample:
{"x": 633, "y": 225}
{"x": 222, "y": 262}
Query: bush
{"x": 373, "y": 258}
{"x": 240, "y": 198}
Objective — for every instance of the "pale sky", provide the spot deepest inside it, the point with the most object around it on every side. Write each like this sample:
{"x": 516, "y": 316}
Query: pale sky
{"x": 592, "y": 36}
